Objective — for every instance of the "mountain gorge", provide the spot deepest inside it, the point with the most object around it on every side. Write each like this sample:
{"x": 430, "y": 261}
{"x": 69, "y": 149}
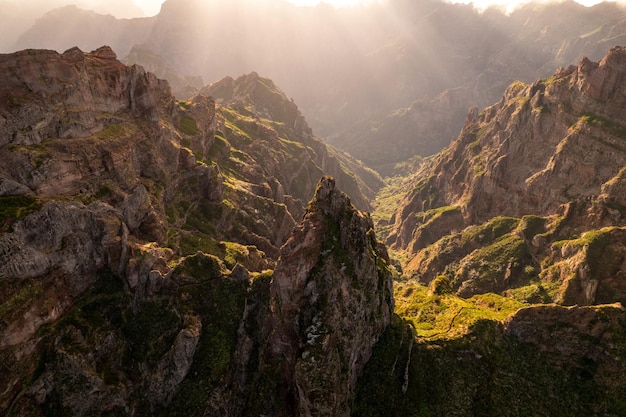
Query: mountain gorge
{"x": 517, "y": 219}
{"x": 173, "y": 248}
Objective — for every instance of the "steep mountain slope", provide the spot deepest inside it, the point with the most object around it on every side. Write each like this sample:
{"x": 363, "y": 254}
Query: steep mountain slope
{"x": 462, "y": 358}
{"x": 251, "y": 93}
{"x": 550, "y": 156}
{"x": 524, "y": 209}
{"x": 138, "y": 235}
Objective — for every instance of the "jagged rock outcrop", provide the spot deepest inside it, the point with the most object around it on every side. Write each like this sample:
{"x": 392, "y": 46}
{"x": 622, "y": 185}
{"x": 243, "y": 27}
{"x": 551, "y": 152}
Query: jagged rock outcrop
{"x": 174, "y": 365}
{"x": 73, "y": 94}
{"x": 54, "y": 254}
{"x": 331, "y": 298}
{"x": 552, "y": 149}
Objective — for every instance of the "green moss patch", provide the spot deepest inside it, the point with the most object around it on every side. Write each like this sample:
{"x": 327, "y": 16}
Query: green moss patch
{"x": 437, "y": 313}
{"x": 188, "y": 125}
{"x": 219, "y": 303}
{"x": 495, "y": 267}
{"x": 484, "y": 372}
{"x": 16, "y": 208}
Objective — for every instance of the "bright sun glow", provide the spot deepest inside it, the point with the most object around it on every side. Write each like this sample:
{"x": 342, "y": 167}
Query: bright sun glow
{"x": 510, "y": 5}
{"x": 337, "y": 3}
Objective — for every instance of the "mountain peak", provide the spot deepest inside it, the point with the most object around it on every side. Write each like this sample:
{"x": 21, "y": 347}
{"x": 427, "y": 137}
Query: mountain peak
{"x": 104, "y": 52}
{"x": 603, "y": 80}
{"x": 265, "y": 98}
{"x": 96, "y": 82}
{"x": 331, "y": 298}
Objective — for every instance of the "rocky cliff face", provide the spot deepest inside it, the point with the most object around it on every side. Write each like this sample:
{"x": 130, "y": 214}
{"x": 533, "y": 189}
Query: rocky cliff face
{"x": 331, "y": 297}
{"x": 69, "y": 95}
{"x": 517, "y": 216}
{"x": 549, "y": 156}
{"x": 138, "y": 236}
{"x": 540, "y": 361}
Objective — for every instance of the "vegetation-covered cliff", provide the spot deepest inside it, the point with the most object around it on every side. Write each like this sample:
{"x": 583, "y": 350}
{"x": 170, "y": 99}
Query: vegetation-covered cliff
{"x": 539, "y": 178}
{"x": 139, "y": 235}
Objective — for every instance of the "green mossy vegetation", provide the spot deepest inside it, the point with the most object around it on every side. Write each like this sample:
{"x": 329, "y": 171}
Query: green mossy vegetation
{"x": 219, "y": 303}
{"x": 14, "y": 208}
{"x": 482, "y": 371}
{"x": 489, "y": 231}
{"x": 18, "y": 298}
{"x": 531, "y": 226}
{"x": 603, "y": 259}
{"x": 115, "y": 131}
{"x": 604, "y": 124}
{"x": 448, "y": 251}
{"x": 496, "y": 266}
{"x": 151, "y": 331}
{"x": 103, "y": 191}
{"x": 220, "y": 148}
{"x": 99, "y": 314}
{"x": 183, "y": 105}
{"x": 432, "y": 215}
{"x": 188, "y": 125}
{"x": 437, "y": 313}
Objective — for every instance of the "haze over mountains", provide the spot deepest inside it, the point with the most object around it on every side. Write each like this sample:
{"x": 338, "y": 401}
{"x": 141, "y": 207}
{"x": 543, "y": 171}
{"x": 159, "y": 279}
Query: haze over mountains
{"x": 177, "y": 240}
{"x": 384, "y": 82}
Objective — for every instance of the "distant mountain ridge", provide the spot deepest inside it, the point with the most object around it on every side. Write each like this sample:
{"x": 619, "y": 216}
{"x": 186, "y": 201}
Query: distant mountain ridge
{"x": 384, "y": 82}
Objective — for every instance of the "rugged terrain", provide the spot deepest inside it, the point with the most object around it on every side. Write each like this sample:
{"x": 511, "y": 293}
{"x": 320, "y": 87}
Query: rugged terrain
{"x": 199, "y": 257}
{"x": 538, "y": 177}
{"x": 139, "y": 235}
{"x": 520, "y": 217}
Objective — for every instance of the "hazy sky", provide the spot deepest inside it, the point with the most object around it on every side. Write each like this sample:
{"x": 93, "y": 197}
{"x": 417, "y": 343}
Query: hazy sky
{"x": 151, "y": 7}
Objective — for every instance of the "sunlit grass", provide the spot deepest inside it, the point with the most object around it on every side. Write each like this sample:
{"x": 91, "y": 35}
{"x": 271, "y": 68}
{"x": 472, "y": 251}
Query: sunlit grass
{"x": 443, "y": 315}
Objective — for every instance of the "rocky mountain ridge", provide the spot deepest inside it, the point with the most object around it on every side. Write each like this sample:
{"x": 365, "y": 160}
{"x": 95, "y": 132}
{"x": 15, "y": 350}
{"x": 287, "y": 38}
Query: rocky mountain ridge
{"x": 153, "y": 264}
{"x": 513, "y": 247}
{"x": 541, "y": 169}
